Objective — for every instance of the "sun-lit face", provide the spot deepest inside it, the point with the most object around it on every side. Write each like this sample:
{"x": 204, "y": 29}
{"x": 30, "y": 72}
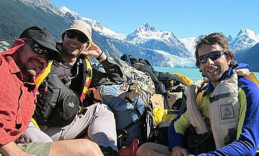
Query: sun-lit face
{"x": 73, "y": 43}
{"x": 30, "y": 63}
{"x": 213, "y": 70}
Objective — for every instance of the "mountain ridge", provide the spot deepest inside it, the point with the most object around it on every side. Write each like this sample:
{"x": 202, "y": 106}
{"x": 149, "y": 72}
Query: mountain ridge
{"x": 162, "y": 48}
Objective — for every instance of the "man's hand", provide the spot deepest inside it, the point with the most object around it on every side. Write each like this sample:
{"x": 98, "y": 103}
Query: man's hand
{"x": 179, "y": 151}
{"x": 97, "y": 95}
{"x": 200, "y": 83}
{"x": 12, "y": 149}
{"x": 93, "y": 50}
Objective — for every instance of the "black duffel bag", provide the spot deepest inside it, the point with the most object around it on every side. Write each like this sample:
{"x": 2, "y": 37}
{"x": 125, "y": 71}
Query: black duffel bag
{"x": 57, "y": 105}
{"x": 199, "y": 143}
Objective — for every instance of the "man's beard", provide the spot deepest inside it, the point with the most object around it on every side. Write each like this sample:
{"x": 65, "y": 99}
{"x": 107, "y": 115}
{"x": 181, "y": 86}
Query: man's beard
{"x": 27, "y": 76}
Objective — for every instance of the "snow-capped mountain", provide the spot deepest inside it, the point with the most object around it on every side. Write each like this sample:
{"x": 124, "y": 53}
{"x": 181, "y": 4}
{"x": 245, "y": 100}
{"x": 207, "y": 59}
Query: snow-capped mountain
{"x": 147, "y": 36}
{"x": 190, "y": 44}
{"x": 245, "y": 39}
{"x": 138, "y": 49}
{"x": 162, "y": 48}
{"x": 97, "y": 26}
{"x": 144, "y": 34}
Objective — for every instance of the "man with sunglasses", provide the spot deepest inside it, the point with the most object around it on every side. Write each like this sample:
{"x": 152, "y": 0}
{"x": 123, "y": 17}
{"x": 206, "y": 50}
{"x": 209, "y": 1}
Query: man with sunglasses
{"x": 95, "y": 120}
{"x": 228, "y": 105}
{"x": 77, "y": 45}
{"x": 19, "y": 66}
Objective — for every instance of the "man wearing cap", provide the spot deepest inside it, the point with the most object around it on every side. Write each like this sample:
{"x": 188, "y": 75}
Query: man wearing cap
{"x": 77, "y": 44}
{"x": 223, "y": 114}
{"x": 96, "y": 120}
{"x": 19, "y": 66}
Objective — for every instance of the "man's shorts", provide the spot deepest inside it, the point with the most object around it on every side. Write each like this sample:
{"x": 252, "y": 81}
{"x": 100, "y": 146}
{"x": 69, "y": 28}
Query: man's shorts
{"x": 36, "y": 148}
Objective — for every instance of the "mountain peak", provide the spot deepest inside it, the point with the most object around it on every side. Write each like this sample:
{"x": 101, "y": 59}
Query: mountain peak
{"x": 70, "y": 14}
{"x": 146, "y": 28}
{"x": 65, "y": 9}
{"x": 246, "y": 38}
{"x": 247, "y": 32}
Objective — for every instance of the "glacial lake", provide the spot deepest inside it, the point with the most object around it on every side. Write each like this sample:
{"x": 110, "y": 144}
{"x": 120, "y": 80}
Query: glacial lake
{"x": 192, "y": 73}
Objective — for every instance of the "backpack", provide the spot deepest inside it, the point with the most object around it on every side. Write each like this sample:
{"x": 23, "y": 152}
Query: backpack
{"x": 162, "y": 80}
{"x": 133, "y": 115}
{"x": 146, "y": 67}
{"x": 132, "y": 61}
{"x": 56, "y": 104}
{"x": 143, "y": 80}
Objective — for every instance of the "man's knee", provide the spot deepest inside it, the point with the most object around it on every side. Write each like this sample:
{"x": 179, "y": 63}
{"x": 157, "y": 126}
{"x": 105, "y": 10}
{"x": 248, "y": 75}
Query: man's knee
{"x": 144, "y": 149}
{"x": 75, "y": 147}
{"x": 105, "y": 111}
{"x": 150, "y": 149}
{"x": 89, "y": 144}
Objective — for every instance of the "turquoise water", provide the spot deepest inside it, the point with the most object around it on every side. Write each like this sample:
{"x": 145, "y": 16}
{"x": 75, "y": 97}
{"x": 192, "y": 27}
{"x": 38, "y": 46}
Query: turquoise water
{"x": 191, "y": 73}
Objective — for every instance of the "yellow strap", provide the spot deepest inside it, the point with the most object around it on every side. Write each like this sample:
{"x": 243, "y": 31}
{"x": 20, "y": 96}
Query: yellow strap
{"x": 86, "y": 91}
{"x": 47, "y": 70}
{"x": 43, "y": 75}
{"x": 88, "y": 79}
{"x": 35, "y": 123}
{"x": 185, "y": 80}
{"x": 87, "y": 82}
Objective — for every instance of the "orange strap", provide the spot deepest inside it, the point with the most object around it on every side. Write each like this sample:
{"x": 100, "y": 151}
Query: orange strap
{"x": 253, "y": 78}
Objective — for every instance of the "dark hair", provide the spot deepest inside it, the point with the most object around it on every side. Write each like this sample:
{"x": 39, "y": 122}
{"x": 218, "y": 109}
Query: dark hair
{"x": 211, "y": 39}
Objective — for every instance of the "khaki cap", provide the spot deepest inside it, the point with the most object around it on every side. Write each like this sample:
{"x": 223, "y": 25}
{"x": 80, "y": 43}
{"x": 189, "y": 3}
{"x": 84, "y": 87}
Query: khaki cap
{"x": 81, "y": 26}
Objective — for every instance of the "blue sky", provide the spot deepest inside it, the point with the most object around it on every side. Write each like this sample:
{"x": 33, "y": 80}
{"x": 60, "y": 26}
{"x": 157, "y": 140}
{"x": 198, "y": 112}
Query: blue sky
{"x": 185, "y": 18}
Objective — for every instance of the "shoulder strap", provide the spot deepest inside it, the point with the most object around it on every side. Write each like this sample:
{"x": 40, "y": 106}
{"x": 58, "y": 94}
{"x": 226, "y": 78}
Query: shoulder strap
{"x": 196, "y": 118}
{"x": 35, "y": 123}
{"x": 87, "y": 80}
{"x": 43, "y": 75}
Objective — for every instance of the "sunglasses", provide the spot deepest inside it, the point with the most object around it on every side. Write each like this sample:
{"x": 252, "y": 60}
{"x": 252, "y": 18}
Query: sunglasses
{"x": 213, "y": 56}
{"x": 80, "y": 36}
{"x": 37, "y": 48}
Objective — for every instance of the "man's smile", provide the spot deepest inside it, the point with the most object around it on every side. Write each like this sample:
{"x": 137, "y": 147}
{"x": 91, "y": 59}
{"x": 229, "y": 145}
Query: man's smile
{"x": 37, "y": 63}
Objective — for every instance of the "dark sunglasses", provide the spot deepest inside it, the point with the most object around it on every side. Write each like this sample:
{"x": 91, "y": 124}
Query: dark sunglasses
{"x": 80, "y": 36}
{"x": 213, "y": 56}
{"x": 37, "y": 48}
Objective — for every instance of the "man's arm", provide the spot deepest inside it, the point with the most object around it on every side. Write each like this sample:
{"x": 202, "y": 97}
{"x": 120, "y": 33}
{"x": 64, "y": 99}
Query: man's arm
{"x": 112, "y": 72}
{"x": 12, "y": 149}
{"x": 177, "y": 129}
{"x": 93, "y": 51}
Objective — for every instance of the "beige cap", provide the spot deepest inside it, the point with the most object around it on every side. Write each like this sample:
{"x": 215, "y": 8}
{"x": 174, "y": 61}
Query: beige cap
{"x": 82, "y": 27}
